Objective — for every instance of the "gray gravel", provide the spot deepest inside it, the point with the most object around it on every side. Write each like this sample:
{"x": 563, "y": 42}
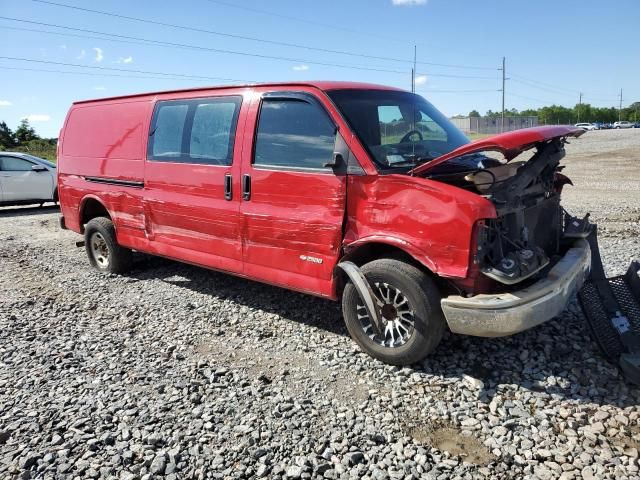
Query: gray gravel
{"x": 179, "y": 372}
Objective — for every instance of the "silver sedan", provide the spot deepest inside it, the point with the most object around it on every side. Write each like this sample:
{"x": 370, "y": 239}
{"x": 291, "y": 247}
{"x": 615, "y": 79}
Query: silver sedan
{"x": 26, "y": 179}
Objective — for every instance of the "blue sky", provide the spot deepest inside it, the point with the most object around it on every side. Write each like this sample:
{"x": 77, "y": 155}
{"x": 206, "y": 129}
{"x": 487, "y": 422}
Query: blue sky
{"x": 554, "y": 49}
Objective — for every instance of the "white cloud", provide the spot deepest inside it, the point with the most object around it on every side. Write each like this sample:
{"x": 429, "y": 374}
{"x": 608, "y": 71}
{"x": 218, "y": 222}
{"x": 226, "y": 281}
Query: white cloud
{"x": 99, "y": 54}
{"x": 37, "y": 117}
{"x": 421, "y": 79}
{"x": 128, "y": 59}
{"x": 408, "y": 2}
{"x": 81, "y": 55}
{"x": 5, "y": 103}
{"x": 301, "y": 68}
{"x": 99, "y": 88}
{"x": 63, "y": 47}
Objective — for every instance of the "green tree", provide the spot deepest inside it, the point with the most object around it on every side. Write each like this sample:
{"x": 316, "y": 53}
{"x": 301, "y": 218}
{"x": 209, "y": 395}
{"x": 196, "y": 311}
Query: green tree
{"x": 25, "y": 132}
{"x": 530, "y": 112}
{"x": 556, "y": 115}
{"x": 7, "y": 137}
{"x": 474, "y": 113}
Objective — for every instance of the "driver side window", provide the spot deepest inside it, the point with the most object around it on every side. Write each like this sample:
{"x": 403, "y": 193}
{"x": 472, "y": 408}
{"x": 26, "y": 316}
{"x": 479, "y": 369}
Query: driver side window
{"x": 430, "y": 130}
{"x": 13, "y": 164}
{"x": 392, "y": 127}
{"x": 396, "y": 127}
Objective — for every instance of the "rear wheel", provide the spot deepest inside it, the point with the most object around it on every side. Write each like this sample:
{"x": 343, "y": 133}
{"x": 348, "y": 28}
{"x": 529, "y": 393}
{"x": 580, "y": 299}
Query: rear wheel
{"x": 412, "y": 320}
{"x": 102, "y": 247}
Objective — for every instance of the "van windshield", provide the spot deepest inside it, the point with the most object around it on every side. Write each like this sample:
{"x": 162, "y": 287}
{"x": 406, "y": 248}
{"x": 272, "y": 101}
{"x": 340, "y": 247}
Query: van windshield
{"x": 399, "y": 129}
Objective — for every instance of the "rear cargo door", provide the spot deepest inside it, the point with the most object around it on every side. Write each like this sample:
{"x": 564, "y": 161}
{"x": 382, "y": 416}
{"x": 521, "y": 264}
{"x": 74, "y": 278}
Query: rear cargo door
{"x": 191, "y": 207}
{"x": 293, "y": 201}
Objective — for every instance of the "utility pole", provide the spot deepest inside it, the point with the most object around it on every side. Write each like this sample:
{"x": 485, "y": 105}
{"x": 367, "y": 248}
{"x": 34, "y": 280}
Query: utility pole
{"x": 413, "y": 71}
{"x": 579, "y": 106}
{"x": 504, "y": 78}
{"x": 620, "y": 107}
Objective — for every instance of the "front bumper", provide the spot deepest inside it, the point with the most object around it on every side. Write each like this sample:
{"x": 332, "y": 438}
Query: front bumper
{"x": 504, "y": 314}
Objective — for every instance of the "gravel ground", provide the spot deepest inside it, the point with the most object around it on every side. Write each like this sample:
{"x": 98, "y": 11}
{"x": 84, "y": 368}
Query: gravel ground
{"x": 180, "y": 372}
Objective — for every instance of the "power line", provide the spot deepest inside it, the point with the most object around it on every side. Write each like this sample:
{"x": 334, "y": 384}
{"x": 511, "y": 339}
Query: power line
{"x": 169, "y": 77}
{"x": 162, "y": 43}
{"x": 303, "y": 20}
{"x": 149, "y": 41}
{"x": 43, "y": 70}
{"x": 253, "y": 39}
{"x": 343, "y": 29}
{"x": 454, "y": 76}
{"x": 196, "y": 77}
{"x": 458, "y": 91}
{"x": 580, "y": 94}
{"x": 555, "y": 89}
{"x": 545, "y": 102}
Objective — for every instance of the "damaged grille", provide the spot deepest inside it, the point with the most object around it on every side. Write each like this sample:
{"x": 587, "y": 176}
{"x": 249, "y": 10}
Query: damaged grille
{"x": 528, "y": 233}
{"x": 520, "y": 244}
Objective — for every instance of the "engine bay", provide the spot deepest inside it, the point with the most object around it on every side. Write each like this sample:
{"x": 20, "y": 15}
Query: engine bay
{"x": 532, "y": 229}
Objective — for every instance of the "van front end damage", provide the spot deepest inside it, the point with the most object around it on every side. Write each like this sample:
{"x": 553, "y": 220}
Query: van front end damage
{"x": 502, "y": 314}
{"x": 535, "y": 252}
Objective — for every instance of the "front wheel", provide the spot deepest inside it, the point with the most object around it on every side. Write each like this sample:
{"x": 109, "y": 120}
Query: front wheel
{"x": 412, "y": 320}
{"x": 102, "y": 247}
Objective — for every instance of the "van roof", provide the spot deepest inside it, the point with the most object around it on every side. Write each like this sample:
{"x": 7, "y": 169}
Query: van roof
{"x": 321, "y": 85}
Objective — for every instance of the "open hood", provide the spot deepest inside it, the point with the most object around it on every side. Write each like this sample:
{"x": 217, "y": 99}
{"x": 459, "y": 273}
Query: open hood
{"x": 510, "y": 144}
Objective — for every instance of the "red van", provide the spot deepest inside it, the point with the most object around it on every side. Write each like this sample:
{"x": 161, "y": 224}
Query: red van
{"x": 346, "y": 191}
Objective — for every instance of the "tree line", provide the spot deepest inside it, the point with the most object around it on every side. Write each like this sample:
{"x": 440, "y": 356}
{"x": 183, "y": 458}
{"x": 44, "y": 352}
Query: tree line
{"x": 25, "y": 139}
{"x": 583, "y": 112}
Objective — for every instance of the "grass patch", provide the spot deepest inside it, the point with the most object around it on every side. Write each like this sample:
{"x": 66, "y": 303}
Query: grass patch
{"x": 478, "y": 136}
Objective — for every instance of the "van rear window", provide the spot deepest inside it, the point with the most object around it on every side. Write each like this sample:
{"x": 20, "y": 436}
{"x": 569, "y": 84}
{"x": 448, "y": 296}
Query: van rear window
{"x": 194, "y": 131}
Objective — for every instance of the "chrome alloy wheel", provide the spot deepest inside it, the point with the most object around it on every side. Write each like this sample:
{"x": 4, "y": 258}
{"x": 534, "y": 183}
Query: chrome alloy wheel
{"x": 398, "y": 318}
{"x": 100, "y": 250}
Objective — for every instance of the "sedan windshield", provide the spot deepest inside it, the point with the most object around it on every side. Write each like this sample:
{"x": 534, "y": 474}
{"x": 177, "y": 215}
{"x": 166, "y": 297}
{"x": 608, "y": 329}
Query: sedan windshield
{"x": 399, "y": 129}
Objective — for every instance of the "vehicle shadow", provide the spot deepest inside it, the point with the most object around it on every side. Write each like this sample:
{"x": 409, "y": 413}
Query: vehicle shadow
{"x": 561, "y": 358}
{"x": 298, "y": 307}
{"x": 22, "y": 211}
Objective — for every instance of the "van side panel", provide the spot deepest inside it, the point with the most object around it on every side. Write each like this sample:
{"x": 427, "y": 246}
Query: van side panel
{"x": 106, "y": 140}
{"x": 102, "y": 157}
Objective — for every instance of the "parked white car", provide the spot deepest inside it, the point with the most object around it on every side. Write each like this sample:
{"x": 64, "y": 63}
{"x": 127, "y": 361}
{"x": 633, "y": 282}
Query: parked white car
{"x": 623, "y": 124}
{"x": 586, "y": 126}
{"x": 26, "y": 179}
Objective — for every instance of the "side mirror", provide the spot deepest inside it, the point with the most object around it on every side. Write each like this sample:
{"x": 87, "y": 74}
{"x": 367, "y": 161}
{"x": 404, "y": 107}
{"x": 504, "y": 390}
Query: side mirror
{"x": 39, "y": 168}
{"x": 337, "y": 160}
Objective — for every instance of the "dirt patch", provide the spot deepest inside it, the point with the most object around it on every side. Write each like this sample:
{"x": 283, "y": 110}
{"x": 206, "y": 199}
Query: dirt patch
{"x": 630, "y": 440}
{"x": 447, "y": 438}
{"x": 294, "y": 369}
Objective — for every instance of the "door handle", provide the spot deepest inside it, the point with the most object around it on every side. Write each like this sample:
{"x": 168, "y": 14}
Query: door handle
{"x": 246, "y": 187}
{"x": 228, "y": 195}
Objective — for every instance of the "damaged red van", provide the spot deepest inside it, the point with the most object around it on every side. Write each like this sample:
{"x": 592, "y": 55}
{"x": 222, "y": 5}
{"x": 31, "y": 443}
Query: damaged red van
{"x": 348, "y": 191}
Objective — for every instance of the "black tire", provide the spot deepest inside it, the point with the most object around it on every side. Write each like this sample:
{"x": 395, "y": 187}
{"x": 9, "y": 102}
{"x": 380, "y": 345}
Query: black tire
{"x": 55, "y": 196}
{"x": 424, "y": 299}
{"x": 102, "y": 247}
